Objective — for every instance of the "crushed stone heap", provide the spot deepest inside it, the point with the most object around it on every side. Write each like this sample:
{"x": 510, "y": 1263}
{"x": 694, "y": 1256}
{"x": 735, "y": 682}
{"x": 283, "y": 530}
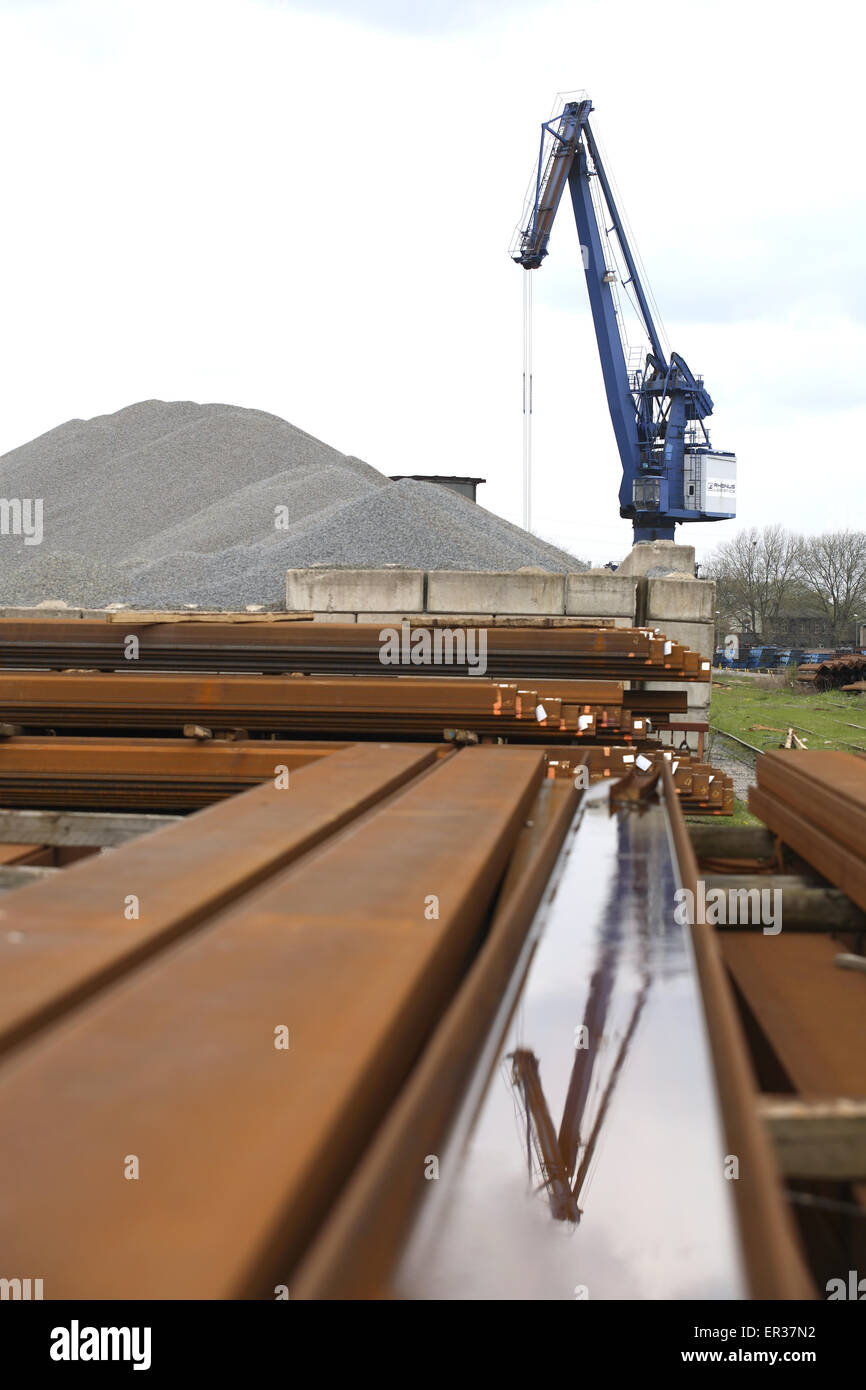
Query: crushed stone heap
{"x": 170, "y": 503}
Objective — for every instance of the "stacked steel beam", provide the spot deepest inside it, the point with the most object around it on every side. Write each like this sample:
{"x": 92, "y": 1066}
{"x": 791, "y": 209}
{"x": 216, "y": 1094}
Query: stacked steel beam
{"x": 357, "y": 707}
{"x": 337, "y": 942}
{"x": 701, "y": 788}
{"x": 815, "y": 801}
{"x": 571, "y": 652}
{"x": 243, "y": 679}
{"x": 286, "y": 1000}
{"x": 128, "y": 774}
{"x": 155, "y": 774}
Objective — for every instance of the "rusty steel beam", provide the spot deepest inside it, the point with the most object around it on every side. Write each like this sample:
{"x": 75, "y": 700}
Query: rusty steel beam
{"x": 773, "y": 1256}
{"x": 124, "y": 773}
{"x": 354, "y": 1255}
{"x": 22, "y": 853}
{"x": 350, "y": 648}
{"x": 244, "y": 1143}
{"x": 174, "y": 774}
{"x": 355, "y": 706}
{"x": 826, "y": 853}
{"x": 827, "y": 787}
{"x": 810, "y": 1012}
{"x": 702, "y": 789}
{"x": 68, "y": 938}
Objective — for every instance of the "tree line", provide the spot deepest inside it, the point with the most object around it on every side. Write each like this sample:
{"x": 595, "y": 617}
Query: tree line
{"x": 765, "y": 578}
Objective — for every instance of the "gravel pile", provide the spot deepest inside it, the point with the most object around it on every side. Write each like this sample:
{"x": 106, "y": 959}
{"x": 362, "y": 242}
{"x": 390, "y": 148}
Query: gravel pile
{"x": 171, "y": 503}
{"x": 423, "y": 526}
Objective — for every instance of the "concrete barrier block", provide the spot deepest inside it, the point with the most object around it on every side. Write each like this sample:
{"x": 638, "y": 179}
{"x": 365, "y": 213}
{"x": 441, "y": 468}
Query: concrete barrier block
{"x": 682, "y": 600}
{"x": 485, "y": 591}
{"x": 600, "y": 593}
{"x": 659, "y": 557}
{"x": 334, "y": 617}
{"x": 325, "y": 590}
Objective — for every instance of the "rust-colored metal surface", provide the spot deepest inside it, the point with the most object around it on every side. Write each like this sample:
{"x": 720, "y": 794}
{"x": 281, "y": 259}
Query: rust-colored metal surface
{"x": 401, "y": 707}
{"x": 122, "y": 773}
{"x": 844, "y": 671}
{"x": 640, "y": 1149}
{"x": 702, "y": 789}
{"x": 242, "y": 1144}
{"x": 360, "y": 1246}
{"x": 70, "y": 936}
{"x": 773, "y": 1255}
{"x": 812, "y": 1013}
{"x": 23, "y": 854}
{"x": 842, "y": 866}
{"x": 170, "y": 775}
{"x": 501, "y": 1232}
{"x": 827, "y": 787}
{"x": 572, "y": 652}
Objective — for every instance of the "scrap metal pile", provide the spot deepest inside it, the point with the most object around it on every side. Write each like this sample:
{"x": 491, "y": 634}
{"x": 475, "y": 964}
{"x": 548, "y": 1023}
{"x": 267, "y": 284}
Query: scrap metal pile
{"x": 837, "y": 673}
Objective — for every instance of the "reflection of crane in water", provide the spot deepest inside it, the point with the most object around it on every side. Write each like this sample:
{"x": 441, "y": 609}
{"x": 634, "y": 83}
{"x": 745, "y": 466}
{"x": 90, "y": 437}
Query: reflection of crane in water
{"x": 555, "y": 1155}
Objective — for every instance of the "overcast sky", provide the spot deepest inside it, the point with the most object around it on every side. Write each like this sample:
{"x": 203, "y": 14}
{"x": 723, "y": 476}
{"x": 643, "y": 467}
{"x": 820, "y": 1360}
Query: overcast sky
{"x": 307, "y": 208}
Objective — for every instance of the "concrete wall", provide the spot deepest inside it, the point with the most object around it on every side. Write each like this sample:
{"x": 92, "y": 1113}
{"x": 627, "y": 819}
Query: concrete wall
{"x": 683, "y": 608}
{"x": 601, "y": 594}
{"x": 323, "y": 590}
{"x": 520, "y": 591}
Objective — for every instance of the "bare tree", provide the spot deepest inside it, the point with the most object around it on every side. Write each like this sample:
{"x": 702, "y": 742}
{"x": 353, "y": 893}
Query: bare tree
{"x": 833, "y": 568}
{"x": 755, "y": 574}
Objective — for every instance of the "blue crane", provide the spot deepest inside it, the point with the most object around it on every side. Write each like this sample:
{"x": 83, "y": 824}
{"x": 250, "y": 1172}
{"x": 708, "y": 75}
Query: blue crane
{"x": 659, "y": 407}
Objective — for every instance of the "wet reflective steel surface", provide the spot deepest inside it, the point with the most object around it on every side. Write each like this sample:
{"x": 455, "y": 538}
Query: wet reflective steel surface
{"x": 595, "y": 1164}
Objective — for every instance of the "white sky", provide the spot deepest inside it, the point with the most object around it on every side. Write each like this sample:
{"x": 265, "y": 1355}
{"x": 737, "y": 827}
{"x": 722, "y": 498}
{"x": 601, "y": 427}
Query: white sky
{"x": 307, "y": 208}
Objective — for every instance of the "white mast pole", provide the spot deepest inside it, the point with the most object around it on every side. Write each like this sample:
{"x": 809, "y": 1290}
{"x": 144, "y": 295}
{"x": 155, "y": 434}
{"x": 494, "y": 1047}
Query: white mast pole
{"x": 527, "y": 400}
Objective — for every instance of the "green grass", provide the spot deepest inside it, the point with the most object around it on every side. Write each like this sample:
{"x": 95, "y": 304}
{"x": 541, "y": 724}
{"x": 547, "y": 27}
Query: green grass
{"x": 821, "y": 720}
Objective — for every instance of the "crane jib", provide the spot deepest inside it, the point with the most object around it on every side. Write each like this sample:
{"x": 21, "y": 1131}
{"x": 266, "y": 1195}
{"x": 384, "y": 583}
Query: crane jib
{"x": 671, "y": 474}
